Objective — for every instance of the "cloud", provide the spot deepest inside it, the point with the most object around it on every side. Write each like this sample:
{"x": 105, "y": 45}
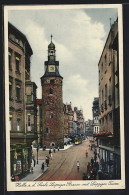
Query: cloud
{"x": 79, "y": 41}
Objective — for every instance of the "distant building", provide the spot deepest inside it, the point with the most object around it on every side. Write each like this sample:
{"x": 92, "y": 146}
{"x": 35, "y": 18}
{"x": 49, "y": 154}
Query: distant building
{"x": 52, "y": 102}
{"x": 95, "y": 111}
{"x": 109, "y": 136}
{"x": 89, "y": 127}
{"x": 22, "y": 102}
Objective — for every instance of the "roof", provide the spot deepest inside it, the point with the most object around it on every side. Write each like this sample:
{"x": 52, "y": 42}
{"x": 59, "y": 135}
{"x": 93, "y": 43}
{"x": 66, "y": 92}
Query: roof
{"x": 51, "y": 45}
{"x": 14, "y": 30}
{"x": 39, "y": 101}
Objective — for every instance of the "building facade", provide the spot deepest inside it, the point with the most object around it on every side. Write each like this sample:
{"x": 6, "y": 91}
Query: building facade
{"x": 21, "y": 137}
{"x": 39, "y": 122}
{"x": 52, "y": 102}
{"x": 95, "y": 111}
{"x": 109, "y": 116}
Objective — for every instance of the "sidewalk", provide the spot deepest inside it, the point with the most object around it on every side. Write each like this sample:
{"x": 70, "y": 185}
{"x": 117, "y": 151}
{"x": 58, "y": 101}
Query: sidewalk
{"x": 37, "y": 172}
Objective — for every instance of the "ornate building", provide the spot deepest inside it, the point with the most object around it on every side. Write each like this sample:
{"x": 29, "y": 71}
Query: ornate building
{"x": 109, "y": 116}
{"x": 52, "y": 102}
{"x": 22, "y": 105}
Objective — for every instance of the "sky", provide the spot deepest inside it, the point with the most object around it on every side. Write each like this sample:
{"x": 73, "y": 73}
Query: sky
{"x": 79, "y": 36}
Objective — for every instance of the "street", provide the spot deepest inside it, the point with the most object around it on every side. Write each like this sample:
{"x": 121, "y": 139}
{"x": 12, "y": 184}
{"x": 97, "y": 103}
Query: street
{"x": 63, "y": 165}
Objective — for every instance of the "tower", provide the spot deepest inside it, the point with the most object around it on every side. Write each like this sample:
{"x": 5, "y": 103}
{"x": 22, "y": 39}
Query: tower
{"x": 52, "y": 102}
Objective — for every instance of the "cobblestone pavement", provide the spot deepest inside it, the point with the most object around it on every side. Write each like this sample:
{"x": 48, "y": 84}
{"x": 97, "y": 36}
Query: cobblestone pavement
{"x": 63, "y": 165}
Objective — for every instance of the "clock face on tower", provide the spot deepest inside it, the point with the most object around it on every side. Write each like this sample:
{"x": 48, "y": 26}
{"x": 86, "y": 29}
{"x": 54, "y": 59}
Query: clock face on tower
{"x": 51, "y": 68}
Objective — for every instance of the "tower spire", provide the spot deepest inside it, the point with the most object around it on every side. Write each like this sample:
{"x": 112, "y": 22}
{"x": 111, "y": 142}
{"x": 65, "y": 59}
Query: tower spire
{"x": 51, "y": 37}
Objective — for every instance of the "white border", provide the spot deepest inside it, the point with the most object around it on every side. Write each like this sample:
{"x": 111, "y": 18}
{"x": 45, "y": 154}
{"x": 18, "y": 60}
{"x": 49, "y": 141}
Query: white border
{"x": 65, "y": 185}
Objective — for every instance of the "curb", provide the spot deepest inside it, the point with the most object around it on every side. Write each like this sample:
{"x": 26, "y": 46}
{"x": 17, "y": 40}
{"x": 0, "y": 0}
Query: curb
{"x": 41, "y": 174}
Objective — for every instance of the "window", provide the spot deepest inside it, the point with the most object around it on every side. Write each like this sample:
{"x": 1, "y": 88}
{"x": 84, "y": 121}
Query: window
{"x": 99, "y": 76}
{"x": 47, "y": 102}
{"x": 51, "y": 115}
{"x": 18, "y": 88}
{"x": 17, "y": 61}
{"x": 47, "y": 130}
{"x": 10, "y": 90}
{"x": 10, "y": 122}
{"x": 102, "y": 71}
{"x": 29, "y": 98}
{"x": 18, "y": 124}
{"x": 106, "y": 92}
{"x": 102, "y": 96}
{"x": 29, "y": 126}
{"x": 52, "y": 81}
{"x": 105, "y": 62}
{"x": 10, "y": 59}
{"x": 50, "y": 91}
{"x": 110, "y": 54}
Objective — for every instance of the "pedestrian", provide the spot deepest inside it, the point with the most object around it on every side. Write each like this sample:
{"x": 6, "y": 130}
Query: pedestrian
{"x": 86, "y": 153}
{"x": 31, "y": 169}
{"x": 34, "y": 162}
{"x": 78, "y": 165}
{"x": 12, "y": 178}
{"x": 42, "y": 167}
{"x": 47, "y": 160}
{"x": 50, "y": 152}
{"x": 51, "y": 155}
{"x": 58, "y": 148}
{"x": 92, "y": 161}
{"x": 54, "y": 150}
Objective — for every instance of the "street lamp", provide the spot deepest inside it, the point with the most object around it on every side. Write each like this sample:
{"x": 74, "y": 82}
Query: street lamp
{"x": 37, "y": 153}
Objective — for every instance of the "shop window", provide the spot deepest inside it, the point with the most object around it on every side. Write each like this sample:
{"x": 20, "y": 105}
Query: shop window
{"x": 18, "y": 124}
{"x": 18, "y": 88}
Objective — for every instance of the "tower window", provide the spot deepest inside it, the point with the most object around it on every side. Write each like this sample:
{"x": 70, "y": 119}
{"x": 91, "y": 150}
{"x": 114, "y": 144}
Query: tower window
{"x": 52, "y": 81}
{"x": 47, "y": 102}
{"x": 50, "y": 91}
{"x": 51, "y": 115}
{"x": 47, "y": 130}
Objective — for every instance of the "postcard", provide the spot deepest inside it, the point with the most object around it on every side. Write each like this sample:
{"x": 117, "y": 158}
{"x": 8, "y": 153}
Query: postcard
{"x": 64, "y": 97}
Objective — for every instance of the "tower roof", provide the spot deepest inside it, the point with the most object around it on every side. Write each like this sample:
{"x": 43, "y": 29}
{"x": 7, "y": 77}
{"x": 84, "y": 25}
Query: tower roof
{"x": 51, "y": 45}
